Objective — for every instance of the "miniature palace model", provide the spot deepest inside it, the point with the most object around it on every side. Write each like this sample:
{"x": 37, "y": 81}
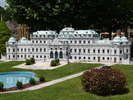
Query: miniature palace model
{"x": 75, "y": 45}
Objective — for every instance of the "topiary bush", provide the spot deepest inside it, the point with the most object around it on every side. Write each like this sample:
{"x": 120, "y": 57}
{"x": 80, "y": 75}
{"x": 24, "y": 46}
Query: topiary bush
{"x": 57, "y": 61}
{"x": 27, "y": 62}
{"x": 19, "y": 84}
{"x": 103, "y": 81}
{"x": 1, "y": 85}
{"x": 53, "y": 63}
{"x": 42, "y": 79}
{"x": 32, "y": 60}
{"x": 32, "y": 81}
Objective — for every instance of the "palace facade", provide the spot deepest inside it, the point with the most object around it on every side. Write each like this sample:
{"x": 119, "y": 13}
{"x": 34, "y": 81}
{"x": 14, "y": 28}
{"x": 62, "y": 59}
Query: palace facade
{"x": 75, "y": 45}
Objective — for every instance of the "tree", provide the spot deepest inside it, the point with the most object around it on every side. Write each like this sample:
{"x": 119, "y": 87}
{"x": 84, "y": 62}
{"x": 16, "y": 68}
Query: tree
{"x": 4, "y": 14}
{"x": 4, "y": 36}
{"x": 82, "y": 14}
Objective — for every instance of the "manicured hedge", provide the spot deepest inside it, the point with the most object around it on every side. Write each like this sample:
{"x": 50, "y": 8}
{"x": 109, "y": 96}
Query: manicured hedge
{"x": 103, "y": 81}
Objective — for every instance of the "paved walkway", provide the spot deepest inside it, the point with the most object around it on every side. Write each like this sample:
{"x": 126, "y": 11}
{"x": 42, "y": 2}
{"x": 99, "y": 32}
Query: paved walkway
{"x": 40, "y": 65}
{"x": 47, "y": 83}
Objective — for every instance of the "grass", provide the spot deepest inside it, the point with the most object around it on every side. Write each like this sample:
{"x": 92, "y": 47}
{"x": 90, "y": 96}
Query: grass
{"x": 66, "y": 70}
{"x": 72, "y": 90}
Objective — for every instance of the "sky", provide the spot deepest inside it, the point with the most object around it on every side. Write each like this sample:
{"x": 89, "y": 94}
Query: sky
{"x": 3, "y": 3}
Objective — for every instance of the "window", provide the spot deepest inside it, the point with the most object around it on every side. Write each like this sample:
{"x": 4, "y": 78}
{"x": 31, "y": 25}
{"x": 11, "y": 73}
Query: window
{"x": 108, "y": 58}
{"x": 120, "y": 59}
{"x": 79, "y": 42}
{"x": 127, "y": 50}
{"x": 21, "y": 50}
{"x": 13, "y": 50}
{"x": 79, "y": 57}
{"x": 18, "y": 56}
{"x": 88, "y": 42}
{"x": 9, "y": 50}
{"x": 18, "y": 49}
{"x": 84, "y": 50}
{"x": 120, "y": 51}
{"x": 70, "y": 41}
{"x": 75, "y": 57}
{"x": 44, "y": 41}
{"x": 40, "y": 56}
{"x": 84, "y": 57}
{"x": 36, "y": 41}
{"x": 60, "y": 48}
{"x": 36, "y": 56}
{"x": 36, "y": 49}
{"x": 25, "y": 49}
{"x": 75, "y": 41}
{"x": 94, "y": 58}
{"x": 40, "y": 41}
{"x": 88, "y": 57}
{"x": 88, "y": 50}
{"x": 103, "y": 51}
{"x": 13, "y": 56}
{"x": 29, "y": 49}
{"x": 84, "y": 42}
{"x": 103, "y": 58}
{"x": 114, "y": 51}
{"x": 32, "y": 49}
{"x": 44, "y": 50}
{"x": 108, "y": 51}
{"x": 79, "y": 50}
{"x": 55, "y": 48}
{"x": 75, "y": 50}
{"x": 70, "y": 50}
{"x": 98, "y": 50}
{"x": 21, "y": 56}
{"x": 93, "y": 50}
{"x": 32, "y": 41}
{"x": 40, "y": 49}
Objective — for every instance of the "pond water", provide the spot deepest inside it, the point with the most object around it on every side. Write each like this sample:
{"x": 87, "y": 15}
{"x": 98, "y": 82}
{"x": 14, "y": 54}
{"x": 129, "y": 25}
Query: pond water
{"x": 10, "y": 78}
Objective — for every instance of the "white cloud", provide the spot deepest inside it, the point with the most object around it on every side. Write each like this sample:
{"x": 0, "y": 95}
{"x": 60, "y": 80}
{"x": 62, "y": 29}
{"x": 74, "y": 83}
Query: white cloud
{"x": 3, "y": 3}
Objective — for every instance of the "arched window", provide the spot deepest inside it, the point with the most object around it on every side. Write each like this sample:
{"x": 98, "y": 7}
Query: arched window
{"x": 61, "y": 54}
{"x": 56, "y": 54}
{"x": 51, "y": 54}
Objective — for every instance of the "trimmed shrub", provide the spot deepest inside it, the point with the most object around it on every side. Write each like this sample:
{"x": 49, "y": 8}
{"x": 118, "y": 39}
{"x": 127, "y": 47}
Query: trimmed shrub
{"x": 19, "y": 84}
{"x": 32, "y": 81}
{"x": 42, "y": 79}
{"x": 32, "y": 60}
{"x": 103, "y": 81}
{"x": 27, "y": 62}
{"x": 57, "y": 60}
{"x": 1, "y": 85}
{"x": 53, "y": 63}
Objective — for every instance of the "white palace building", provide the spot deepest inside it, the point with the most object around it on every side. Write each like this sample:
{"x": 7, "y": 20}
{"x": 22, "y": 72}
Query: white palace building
{"x": 75, "y": 45}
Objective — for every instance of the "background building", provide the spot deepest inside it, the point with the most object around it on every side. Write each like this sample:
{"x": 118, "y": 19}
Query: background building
{"x": 75, "y": 45}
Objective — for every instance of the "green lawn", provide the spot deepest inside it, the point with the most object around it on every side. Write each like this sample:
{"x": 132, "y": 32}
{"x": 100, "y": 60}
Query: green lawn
{"x": 66, "y": 70}
{"x": 72, "y": 90}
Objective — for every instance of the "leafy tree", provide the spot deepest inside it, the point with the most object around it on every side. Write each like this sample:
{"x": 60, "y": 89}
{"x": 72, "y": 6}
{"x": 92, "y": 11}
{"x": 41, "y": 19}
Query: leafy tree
{"x": 82, "y": 14}
{"x": 5, "y": 14}
{"x": 4, "y": 36}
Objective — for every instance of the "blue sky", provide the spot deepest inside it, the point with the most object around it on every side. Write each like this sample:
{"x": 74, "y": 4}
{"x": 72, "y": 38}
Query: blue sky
{"x": 3, "y": 3}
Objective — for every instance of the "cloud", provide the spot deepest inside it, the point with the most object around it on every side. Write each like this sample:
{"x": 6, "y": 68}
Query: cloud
{"x": 3, "y": 3}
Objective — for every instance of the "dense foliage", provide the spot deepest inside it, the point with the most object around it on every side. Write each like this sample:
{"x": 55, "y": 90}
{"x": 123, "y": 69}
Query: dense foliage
{"x": 53, "y": 63}
{"x": 42, "y": 79}
{"x": 19, "y": 84}
{"x": 1, "y": 85}
{"x": 28, "y": 62}
{"x": 82, "y": 14}
{"x": 103, "y": 81}
{"x": 4, "y": 36}
{"x": 32, "y": 60}
{"x": 32, "y": 81}
{"x": 57, "y": 60}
